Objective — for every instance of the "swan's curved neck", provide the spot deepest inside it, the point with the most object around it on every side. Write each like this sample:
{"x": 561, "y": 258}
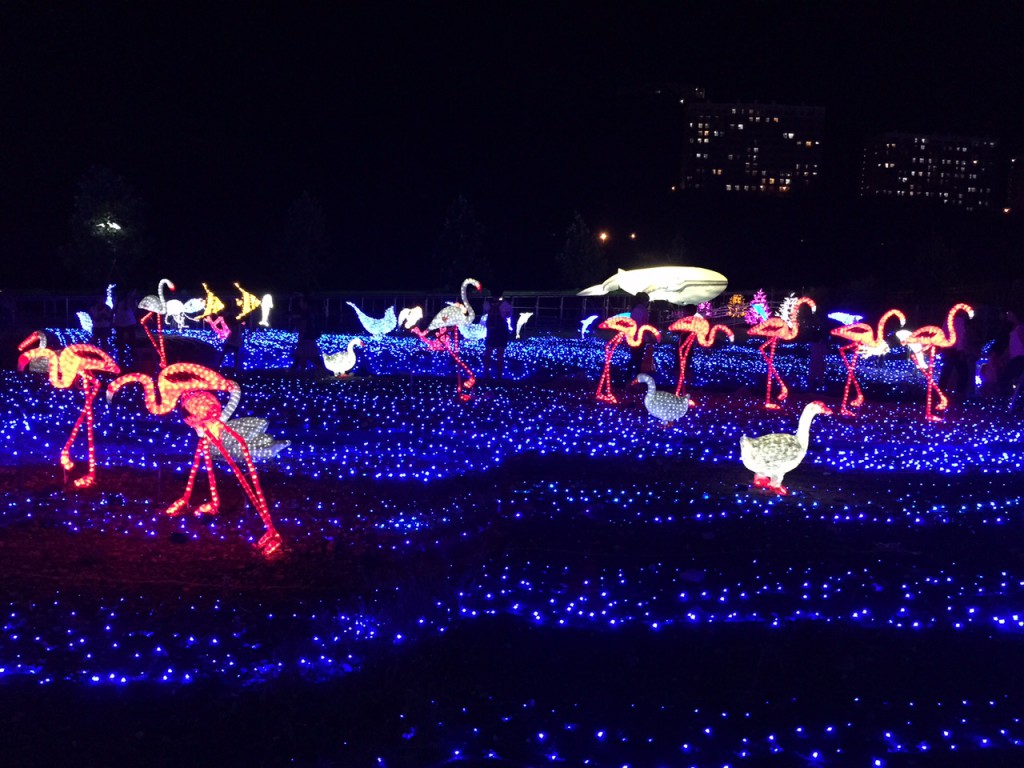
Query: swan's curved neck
{"x": 235, "y": 397}
{"x": 803, "y": 430}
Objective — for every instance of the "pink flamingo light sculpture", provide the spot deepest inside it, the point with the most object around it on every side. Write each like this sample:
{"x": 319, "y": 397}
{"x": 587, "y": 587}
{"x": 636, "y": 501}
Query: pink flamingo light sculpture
{"x": 697, "y": 328}
{"x": 193, "y": 386}
{"x": 864, "y": 341}
{"x": 930, "y": 338}
{"x": 774, "y": 329}
{"x": 76, "y": 362}
{"x": 633, "y": 334}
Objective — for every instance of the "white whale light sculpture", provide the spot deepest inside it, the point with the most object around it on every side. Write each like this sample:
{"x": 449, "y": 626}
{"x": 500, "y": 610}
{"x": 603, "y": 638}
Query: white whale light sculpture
{"x": 677, "y": 285}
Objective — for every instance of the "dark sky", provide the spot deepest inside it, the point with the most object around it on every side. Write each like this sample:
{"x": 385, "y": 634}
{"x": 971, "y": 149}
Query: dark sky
{"x": 222, "y": 113}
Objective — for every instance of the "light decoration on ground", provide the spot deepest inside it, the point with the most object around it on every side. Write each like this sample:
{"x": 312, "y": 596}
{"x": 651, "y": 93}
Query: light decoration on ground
{"x": 695, "y": 328}
{"x": 737, "y": 306}
{"x": 757, "y": 310}
{"x": 266, "y": 304}
{"x": 931, "y": 338}
{"x": 771, "y": 456}
{"x": 523, "y": 317}
{"x": 193, "y": 386}
{"x": 340, "y": 363}
{"x": 674, "y": 284}
{"x": 76, "y": 362}
{"x": 446, "y": 323}
{"x": 585, "y": 324}
{"x": 377, "y": 327}
{"x": 774, "y": 329}
{"x": 156, "y": 305}
{"x": 864, "y": 341}
{"x": 634, "y": 335}
{"x": 247, "y": 303}
{"x": 664, "y": 406}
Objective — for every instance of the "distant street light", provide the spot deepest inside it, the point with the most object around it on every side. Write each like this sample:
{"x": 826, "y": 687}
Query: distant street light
{"x": 603, "y": 237}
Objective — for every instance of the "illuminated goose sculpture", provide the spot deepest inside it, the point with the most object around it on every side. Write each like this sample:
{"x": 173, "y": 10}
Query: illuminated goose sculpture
{"x": 771, "y": 456}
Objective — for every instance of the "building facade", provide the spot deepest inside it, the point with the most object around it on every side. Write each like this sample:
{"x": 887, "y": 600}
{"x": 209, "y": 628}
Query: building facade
{"x": 767, "y": 149}
{"x": 953, "y": 170}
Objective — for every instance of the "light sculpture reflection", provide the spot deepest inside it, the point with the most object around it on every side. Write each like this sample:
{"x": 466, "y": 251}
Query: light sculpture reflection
{"x": 626, "y": 329}
{"x": 774, "y": 329}
{"x": 863, "y": 341}
{"x": 695, "y": 328}
{"x": 930, "y": 338}
{"x": 76, "y": 362}
{"x": 193, "y": 386}
{"x": 771, "y": 456}
{"x": 156, "y": 305}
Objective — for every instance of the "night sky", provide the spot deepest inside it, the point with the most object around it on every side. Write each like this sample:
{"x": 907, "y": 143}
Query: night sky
{"x": 221, "y": 114}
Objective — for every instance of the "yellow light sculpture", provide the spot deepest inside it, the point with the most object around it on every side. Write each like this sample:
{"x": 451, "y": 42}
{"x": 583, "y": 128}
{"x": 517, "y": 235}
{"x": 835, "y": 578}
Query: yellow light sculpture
{"x": 247, "y": 304}
{"x": 214, "y": 305}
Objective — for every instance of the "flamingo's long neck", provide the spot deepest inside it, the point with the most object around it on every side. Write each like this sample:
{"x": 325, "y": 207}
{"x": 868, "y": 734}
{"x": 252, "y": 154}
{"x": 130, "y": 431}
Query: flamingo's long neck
{"x": 880, "y": 333}
{"x": 950, "y": 328}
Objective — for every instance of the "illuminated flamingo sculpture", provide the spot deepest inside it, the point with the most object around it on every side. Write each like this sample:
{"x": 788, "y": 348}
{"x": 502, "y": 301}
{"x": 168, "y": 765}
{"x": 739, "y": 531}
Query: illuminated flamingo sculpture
{"x": 930, "y": 338}
{"x": 446, "y": 323}
{"x": 156, "y": 305}
{"x": 633, "y": 334}
{"x": 696, "y": 327}
{"x": 865, "y": 341}
{"x": 77, "y": 362}
{"x": 776, "y": 328}
{"x": 193, "y": 386}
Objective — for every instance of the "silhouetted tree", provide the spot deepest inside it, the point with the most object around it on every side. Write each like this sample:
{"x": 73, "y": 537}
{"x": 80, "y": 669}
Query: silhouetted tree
{"x": 458, "y": 253}
{"x": 304, "y": 244}
{"x": 581, "y": 262}
{"x": 108, "y": 231}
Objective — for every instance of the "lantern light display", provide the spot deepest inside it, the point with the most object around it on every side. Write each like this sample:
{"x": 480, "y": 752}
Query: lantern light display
{"x": 771, "y": 456}
{"x": 931, "y": 338}
{"x": 626, "y": 329}
{"x": 774, "y": 329}
{"x": 266, "y": 304}
{"x": 736, "y": 306}
{"x": 664, "y": 406}
{"x": 695, "y": 327}
{"x": 85, "y": 320}
{"x": 409, "y": 317}
{"x": 247, "y": 303}
{"x": 179, "y": 311}
{"x": 523, "y": 317}
{"x": 156, "y": 305}
{"x": 705, "y": 308}
{"x": 446, "y": 323}
{"x": 212, "y": 305}
{"x": 585, "y": 324}
{"x": 193, "y": 386}
{"x": 757, "y": 310}
{"x": 674, "y": 284}
{"x": 340, "y": 363}
{"x": 846, "y": 318}
{"x": 376, "y": 327}
{"x": 863, "y": 341}
{"x": 76, "y": 362}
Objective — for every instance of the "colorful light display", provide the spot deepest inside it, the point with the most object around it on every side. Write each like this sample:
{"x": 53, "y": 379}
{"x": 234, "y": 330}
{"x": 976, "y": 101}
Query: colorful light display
{"x": 81, "y": 363}
{"x": 695, "y": 327}
{"x": 776, "y": 328}
{"x": 340, "y": 363}
{"x": 757, "y": 310}
{"x": 377, "y": 327}
{"x": 771, "y": 456}
{"x": 409, "y": 317}
{"x": 247, "y": 303}
{"x": 664, "y": 406}
{"x": 864, "y": 341}
{"x": 192, "y": 386}
{"x": 447, "y": 323}
{"x": 737, "y": 306}
{"x": 266, "y": 304}
{"x": 585, "y": 324}
{"x": 212, "y": 305}
{"x": 677, "y": 285}
{"x": 523, "y": 317}
{"x": 931, "y": 338}
{"x": 156, "y": 306}
{"x": 626, "y": 329}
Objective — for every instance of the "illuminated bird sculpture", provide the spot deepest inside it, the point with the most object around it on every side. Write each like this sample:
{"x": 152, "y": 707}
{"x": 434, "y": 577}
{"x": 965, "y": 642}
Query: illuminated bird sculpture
{"x": 627, "y": 330}
{"x": 446, "y": 323}
{"x": 667, "y": 407}
{"x": 193, "y": 387}
{"x": 930, "y": 338}
{"x": 156, "y": 306}
{"x": 864, "y": 341}
{"x": 770, "y": 457}
{"x": 340, "y": 363}
{"x": 409, "y": 317}
{"x": 253, "y": 431}
{"x": 76, "y": 362}
{"x": 378, "y": 328}
{"x": 774, "y": 329}
{"x": 696, "y": 328}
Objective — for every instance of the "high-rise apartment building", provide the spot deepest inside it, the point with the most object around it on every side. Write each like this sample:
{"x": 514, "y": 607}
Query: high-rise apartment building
{"x": 954, "y": 170}
{"x": 772, "y": 149}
